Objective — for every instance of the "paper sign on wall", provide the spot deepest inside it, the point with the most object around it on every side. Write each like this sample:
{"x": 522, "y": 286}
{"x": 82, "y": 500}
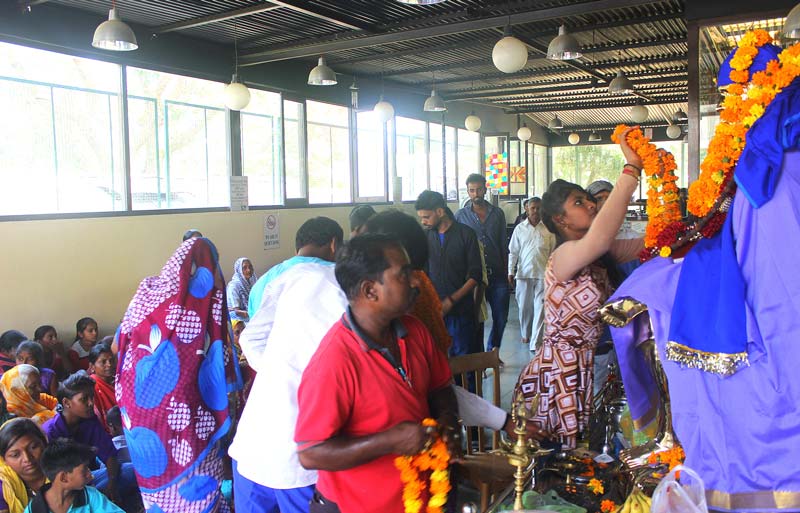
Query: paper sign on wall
{"x": 239, "y": 193}
{"x": 272, "y": 232}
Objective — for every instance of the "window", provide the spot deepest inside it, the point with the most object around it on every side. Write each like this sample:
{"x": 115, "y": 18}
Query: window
{"x": 294, "y": 150}
{"x": 261, "y": 147}
{"x": 540, "y": 170}
{"x": 177, "y": 141}
{"x": 585, "y": 164}
{"x": 411, "y": 159}
{"x": 435, "y": 159}
{"x": 371, "y": 183}
{"x": 680, "y": 151}
{"x": 60, "y": 136}
{"x": 496, "y": 164}
{"x": 328, "y": 153}
{"x": 450, "y": 163}
{"x": 469, "y": 159}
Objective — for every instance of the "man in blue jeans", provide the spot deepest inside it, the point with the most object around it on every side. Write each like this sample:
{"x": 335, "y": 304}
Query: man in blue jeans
{"x": 489, "y": 224}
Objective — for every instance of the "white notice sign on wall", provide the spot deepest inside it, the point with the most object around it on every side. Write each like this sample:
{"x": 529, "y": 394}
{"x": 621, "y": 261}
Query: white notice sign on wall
{"x": 239, "y": 193}
{"x": 272, "y": 232}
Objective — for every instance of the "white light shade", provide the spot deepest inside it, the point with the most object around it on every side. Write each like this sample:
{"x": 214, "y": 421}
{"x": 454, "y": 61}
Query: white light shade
{"x": 620, "y": 85}
{"x": 673, "y": 131}
{"x": 594, "y": 137}
{"x": 384, "y": 110}
{"x": 791, "y": 27}
{"x": 524, "y": 133}
{"x": 564, "y": 46}
{"x": 555, "y": 124}
{"x": 322, "y": 75}
{"x": 236, "y": 95}
{"x": 574, "y": 138}
{"x": 472, "y": 123}
{"x": 639, "y": 113}
{"x": 510, "y": 55}
{"x": 114, "y": 35}
{"x": 679, "y": 115}
{"x": 434, "y": 103}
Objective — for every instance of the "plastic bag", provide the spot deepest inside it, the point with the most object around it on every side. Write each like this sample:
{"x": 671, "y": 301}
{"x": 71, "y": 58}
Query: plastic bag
{"x": 684, "y": 494}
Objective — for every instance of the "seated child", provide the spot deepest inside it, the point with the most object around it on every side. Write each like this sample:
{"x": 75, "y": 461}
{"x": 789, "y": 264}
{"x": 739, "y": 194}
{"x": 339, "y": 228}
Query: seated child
{"x": 66, "y": 464}
{"x": 114, "y": 421}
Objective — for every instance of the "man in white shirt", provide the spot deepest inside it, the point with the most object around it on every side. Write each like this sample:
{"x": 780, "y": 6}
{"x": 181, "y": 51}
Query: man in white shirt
{"x": 298, "y": 306}
{"x": 530, "y": 247}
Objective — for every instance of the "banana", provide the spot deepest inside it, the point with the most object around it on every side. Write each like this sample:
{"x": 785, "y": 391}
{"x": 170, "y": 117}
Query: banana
{"x": 636, "y": 507}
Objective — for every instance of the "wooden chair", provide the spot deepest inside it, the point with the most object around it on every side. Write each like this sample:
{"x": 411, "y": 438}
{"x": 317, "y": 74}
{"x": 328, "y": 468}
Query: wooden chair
{"x": 489, "y": 472}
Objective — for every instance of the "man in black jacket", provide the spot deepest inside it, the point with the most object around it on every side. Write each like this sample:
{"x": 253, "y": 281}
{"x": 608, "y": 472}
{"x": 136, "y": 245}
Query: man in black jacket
{"x": 454, "y": 267}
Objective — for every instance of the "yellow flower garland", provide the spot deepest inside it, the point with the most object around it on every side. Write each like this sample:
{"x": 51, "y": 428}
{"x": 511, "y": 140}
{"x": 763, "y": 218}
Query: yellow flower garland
{"x": 432, "y": 463}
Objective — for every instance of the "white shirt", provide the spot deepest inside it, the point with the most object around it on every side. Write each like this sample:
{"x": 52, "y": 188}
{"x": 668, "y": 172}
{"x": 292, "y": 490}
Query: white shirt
{"x": 297, "y": 310}
{"x": 529, "y": 249}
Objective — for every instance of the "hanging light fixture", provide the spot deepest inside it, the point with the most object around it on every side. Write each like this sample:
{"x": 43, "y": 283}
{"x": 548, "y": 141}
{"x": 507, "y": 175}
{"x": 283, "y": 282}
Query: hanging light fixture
{"x": 564, "y": 46}
{"x": 555, "y": 123}
{"x": 791, "y": 27}
{"x": 639, "y": 113}
{"x": 322, "y": 75}
{"x": 594, "y": 137}
{"x": 509, "y": 55}
{"x": 434, "y": 103}
{"x": 574, "y": 138}
{"x": 524, "y": 133}
{"x": 679, "y": 116}
{"x": 674, "y": 131}
{"x": 236, "y": 96}
{"x": 114, "y": 34}
{"x": 621, "y": 84}
{"x": 384, "y": 110}
{"x": 472, "y": 122}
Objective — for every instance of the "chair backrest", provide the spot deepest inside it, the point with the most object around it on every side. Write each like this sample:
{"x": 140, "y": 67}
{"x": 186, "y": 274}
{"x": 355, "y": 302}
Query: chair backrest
{"x": 468, "y": 371}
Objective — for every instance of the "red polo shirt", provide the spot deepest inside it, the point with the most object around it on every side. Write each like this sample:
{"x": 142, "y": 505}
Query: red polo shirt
{"x": 349, "y": 389}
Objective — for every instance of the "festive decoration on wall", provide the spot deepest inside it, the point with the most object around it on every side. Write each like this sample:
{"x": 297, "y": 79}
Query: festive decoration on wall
{"x": 497, "y": 172}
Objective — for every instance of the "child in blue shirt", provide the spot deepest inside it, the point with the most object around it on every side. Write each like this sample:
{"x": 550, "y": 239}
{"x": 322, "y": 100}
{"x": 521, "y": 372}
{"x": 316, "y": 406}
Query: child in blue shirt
{"x": 66, "y": 464}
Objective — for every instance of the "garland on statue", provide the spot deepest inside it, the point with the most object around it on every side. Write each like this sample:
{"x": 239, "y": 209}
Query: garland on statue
{"x": 426, "y": 471}
{"x": 710, "y": 196}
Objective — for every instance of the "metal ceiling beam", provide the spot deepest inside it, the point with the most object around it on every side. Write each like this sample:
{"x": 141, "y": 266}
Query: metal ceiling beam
{"x": 312, "y": 47}
{"x": 215, "y": 18}
{"x": 611, "y": 127}
{"x": 566, "y": 86}
{"x": 325, "y": 14}
{"x": 653, "y": 93}
{"x": 562, "y": 107}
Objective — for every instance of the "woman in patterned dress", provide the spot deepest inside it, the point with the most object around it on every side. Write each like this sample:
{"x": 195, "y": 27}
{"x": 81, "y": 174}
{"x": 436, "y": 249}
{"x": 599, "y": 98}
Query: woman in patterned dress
{"x": 577, "y": 283}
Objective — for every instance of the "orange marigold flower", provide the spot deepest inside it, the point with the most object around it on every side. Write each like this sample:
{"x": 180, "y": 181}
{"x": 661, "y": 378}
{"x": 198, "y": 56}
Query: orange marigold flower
{"x": 596, "y": 486}
{"x": 607, "y": 506}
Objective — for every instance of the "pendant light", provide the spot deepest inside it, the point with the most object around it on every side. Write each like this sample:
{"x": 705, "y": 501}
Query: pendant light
{"x": 509, "y": 55}
{"x": 383, "y": 109}
{"x": 434, "y": 102}
{"x": 555, "y": 123}
{"x": 674, "y": 131}
{"x": 524, "y": 133}
{"x": 594, "y": 136}
{"x": 236, "y": 96}
{"x": 574, "y": 138}
{"x": 564, "y": 46}
{"x": 621, "y": 84}
{"x": 639, "y": 113}
{"x": 679, "y": 116}
{"x": 322, "y": 75}
{"x": 472, "y": 122}
{"x": 114, "y": 34}
{"x": 791, "y": 27}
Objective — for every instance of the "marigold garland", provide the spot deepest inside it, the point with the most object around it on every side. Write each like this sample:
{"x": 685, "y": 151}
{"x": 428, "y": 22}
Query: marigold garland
{"x": 607, "y": 506}
{"x": 671, "y": 457}
{"x": 426, "y": 471}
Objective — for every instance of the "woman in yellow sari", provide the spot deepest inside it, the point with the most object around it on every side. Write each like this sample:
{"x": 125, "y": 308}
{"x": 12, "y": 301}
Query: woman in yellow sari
{"x": 21, "y": 445}
{"x": 22, "y": 390}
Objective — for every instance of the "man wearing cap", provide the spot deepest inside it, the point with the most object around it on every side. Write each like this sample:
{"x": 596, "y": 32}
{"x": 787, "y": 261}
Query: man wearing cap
{"x": 530, "y": 247}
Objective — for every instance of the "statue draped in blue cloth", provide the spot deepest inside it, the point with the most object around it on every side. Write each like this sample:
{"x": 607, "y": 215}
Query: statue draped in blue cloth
{"x": 735, "y": 294}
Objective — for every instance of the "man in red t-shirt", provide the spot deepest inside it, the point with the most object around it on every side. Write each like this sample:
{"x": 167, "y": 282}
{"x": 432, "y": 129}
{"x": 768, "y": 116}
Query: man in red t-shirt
{"x": 374, "y": 377}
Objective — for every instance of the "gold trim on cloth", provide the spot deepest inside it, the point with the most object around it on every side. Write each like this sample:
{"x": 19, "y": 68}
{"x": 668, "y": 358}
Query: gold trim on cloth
{"x": 758, "y": 501}
{"x": 621, "y": 312}
{"x": 647, "y": 419}
{"x": 722, "y": 364}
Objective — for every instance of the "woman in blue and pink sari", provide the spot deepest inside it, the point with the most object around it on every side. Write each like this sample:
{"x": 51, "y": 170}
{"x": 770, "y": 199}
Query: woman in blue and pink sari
{"x": 176, "y": 368}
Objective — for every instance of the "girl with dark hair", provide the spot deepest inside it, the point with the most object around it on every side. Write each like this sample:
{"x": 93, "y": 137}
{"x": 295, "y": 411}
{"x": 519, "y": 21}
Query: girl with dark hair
{"x": 103, "y": 369}
{"x": 85, "y": 339}
{"x": 31, "y": 352}
{"x": 21, "y": 447}
{"x": 578, "y": 279}
{"x": 9, "y": 341}
{"x": 54, "y": 355}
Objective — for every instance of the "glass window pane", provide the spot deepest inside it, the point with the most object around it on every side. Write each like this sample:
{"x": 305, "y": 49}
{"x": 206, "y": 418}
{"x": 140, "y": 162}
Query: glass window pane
{"x": 261, "y": 147}
{"x": 517, "y": 174}
{"x": 450, "y": 163}
{"x": 412, "y": 165}
{"x": 328, "y": 153}
{"x": 540, "y": 168}
{"x": 371, "y": 156}
{"x": 436, "y": 164}
{"x": 294, "y": 130}
{"x": 177, "y": 138}
{"x": 469, "y": 160}
{"x": 565, "y": 163}
{"x": 59, "y": 140}
{"x": 532, "y": 169}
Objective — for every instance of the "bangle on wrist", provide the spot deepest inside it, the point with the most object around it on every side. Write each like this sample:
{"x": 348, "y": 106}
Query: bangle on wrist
{"x": 637, "y": 168}
{"x": 629, "y": 172}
